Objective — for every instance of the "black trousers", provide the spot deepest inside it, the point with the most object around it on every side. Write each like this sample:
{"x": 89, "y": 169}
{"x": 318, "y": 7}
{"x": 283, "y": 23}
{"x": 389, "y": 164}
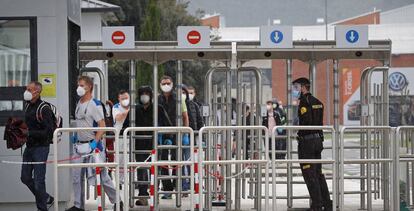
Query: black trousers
{"x": 142, "y": 173}
{"x": 168, "y": 184}
{"x": 312, "y": 173}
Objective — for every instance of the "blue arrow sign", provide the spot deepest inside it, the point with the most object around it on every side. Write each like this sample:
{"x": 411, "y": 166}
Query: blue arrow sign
{"x": 352, "y": 36}
{"x": 276, "y": 36}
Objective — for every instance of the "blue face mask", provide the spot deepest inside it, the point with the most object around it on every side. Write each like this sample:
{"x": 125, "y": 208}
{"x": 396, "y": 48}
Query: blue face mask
{"x": 296, "y": 93}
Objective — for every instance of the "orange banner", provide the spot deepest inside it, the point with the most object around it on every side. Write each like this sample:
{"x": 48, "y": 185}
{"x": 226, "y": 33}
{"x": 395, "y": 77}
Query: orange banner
{"x": 350, "y": 81}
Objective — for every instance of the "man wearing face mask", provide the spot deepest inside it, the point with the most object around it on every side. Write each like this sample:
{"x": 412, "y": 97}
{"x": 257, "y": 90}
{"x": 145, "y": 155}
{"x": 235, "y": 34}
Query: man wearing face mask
{"x": 89, "y": 113}
{"x": 120, "y": 111}
{"x": 37, "y": 147}
{"x": 120, "y": 116}
{"x": 168, "y": 100}
{"x": 311, "y": 146}
{"x": 271, "y": 120}
{"x": 144, "y": 118}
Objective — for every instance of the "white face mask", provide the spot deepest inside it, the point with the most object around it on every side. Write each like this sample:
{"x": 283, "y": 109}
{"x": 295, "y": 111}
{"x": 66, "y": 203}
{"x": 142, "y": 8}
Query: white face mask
{"x": 81, "y": 91}
{"x": 144, "y": 99}
{"x": 125, "y": 102}
{"x": 27, "y": 96}
{"x": 183, "y": 97}
{"x": 166, "y": 88}
{"x": 191, "y": 96}
{"x": 269, "y": 107}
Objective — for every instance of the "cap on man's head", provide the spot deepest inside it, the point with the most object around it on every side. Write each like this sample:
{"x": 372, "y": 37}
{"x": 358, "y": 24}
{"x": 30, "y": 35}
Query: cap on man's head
{"x": 302, "y": 81}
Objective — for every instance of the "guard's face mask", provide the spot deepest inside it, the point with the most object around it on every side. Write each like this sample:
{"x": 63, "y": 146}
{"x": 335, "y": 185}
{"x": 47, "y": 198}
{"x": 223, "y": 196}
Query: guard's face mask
{"x": 296, "y": 90}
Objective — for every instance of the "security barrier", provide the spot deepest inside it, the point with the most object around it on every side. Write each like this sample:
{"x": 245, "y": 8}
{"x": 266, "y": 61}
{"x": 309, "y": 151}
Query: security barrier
{"x": 84, "y": 165}
{"x": 154, "y": 163}
{"x": 403, "y": 138}
{"x": 387, "y": 157}
{"x": 396, "y": 137}
{"x": 317, "y": 161}
{"x": 228, "y": 163}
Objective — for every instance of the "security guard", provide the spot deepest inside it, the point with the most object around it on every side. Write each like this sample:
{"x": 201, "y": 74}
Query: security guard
{"x": 310, "y": 112}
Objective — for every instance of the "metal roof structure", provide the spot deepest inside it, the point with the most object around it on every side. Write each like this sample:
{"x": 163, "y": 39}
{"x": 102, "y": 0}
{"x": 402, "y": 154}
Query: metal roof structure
{"x": 162, "y": 51}
{"x": 401, "y": 35}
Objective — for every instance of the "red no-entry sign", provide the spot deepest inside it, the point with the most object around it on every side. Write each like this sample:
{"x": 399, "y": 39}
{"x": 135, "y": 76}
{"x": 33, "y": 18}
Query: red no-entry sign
{"x": 193, "y": 37}
{"x": 118, "y": 37}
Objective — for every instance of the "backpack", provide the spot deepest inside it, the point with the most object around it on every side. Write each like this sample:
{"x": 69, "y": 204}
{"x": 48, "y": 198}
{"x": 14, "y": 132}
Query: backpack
{"x": 57, "y": 119}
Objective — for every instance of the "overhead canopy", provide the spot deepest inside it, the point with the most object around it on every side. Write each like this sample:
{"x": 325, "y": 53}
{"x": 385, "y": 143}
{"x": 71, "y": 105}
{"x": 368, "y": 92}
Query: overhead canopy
{"x": 162, "y": 51}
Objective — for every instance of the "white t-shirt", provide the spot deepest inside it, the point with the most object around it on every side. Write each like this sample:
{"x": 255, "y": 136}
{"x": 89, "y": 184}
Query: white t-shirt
{"x": 88, "y": 114}
{"x": 116, "y": 110}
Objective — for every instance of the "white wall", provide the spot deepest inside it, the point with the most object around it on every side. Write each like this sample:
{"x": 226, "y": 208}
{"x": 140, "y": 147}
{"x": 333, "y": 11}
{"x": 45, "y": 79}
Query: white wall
{"x": 52, "y": 42}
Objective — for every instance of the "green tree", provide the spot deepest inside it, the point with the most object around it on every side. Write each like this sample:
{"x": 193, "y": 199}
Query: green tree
{"x": 151, "y": 30}
{"x": 155, "y": 20}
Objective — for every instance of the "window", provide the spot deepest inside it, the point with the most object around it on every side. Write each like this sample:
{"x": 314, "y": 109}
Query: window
{"x": 18, "y": 63}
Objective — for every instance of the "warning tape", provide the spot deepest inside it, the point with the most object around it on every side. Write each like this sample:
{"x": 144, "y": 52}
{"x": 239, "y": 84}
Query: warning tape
{"x": 46, "y": 162}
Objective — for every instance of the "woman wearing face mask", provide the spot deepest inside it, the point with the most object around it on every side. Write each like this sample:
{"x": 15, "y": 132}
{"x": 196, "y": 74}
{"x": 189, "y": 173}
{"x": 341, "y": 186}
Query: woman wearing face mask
{"x": 144, "y": 118}
{"x": 271, "y": 120}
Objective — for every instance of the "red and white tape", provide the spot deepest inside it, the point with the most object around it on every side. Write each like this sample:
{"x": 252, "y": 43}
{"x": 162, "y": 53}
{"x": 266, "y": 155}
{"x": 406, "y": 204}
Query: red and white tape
{"x": 47, "y": 161}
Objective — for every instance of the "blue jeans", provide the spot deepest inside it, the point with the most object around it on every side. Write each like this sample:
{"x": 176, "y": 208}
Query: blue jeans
{"x": 186, "y": 169}
{"x": 33, "y": 176}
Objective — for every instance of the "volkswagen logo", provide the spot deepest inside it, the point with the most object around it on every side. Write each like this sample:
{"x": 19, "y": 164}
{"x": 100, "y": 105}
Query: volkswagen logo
{"x": 397, "y": 81}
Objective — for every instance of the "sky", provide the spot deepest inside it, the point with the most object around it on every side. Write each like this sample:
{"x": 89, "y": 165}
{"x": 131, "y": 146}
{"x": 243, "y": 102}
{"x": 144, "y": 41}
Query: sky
{"x": 248, "y": 13}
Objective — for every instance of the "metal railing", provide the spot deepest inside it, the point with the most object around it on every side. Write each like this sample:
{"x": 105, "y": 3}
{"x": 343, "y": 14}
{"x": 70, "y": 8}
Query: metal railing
{"x": 369, "y": 161}
{"x": 398, "y": 159}
{"x": 84, "y": 165}
{"x": 259, "y": 162}
{"x": 155, "y": 163}
{"x": 317, "y": 161}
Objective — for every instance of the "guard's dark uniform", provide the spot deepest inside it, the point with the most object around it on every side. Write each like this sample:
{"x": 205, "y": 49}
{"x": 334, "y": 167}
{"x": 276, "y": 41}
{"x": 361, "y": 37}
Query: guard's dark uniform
{"x": 310, "y": 147}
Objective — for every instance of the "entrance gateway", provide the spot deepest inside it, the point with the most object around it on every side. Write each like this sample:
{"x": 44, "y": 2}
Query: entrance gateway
{"x": 231, "y": 56}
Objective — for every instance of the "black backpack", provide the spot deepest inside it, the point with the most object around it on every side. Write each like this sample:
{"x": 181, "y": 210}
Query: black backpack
{"x": 57, "y": 118}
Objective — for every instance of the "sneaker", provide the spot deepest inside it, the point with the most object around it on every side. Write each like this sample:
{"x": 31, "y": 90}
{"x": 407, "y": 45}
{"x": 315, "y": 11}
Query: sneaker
{"x": 121, "y": 206}
{"x": 167, "y": 196}
{"x": 75, "y": 209}
{"x": 142, "y": 202}
{"x": 50, "y": 202}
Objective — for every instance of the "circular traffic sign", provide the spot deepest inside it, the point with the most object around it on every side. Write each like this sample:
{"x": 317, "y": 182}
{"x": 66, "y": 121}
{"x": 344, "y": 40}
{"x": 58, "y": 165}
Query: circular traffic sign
{"x": 118, "y": 37}
{"x": 193, "y": 37}
{"x": 352, "y": 36}
{"x": 276, "y": 36}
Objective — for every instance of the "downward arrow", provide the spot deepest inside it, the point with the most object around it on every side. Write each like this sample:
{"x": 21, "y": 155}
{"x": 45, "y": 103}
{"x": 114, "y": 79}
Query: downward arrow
{"x": 276, "y": 37}
{"x": 352, "y": 37}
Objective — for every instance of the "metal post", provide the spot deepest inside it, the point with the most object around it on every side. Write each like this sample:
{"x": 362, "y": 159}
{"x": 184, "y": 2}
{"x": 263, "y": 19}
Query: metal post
{"x": 336, "y": 117}
{"x": 132, "y": 89}
{"x": 228, "y": 140}
{"x": 245, "y": 151}
{"x": 312, "y": 76}
{"x": 252, "y": 137}
{"x": 178, "y": 151}
{"x": 289, "y": 133}
{"x": 237, "y": 138}
{"x": 155, "y": 119}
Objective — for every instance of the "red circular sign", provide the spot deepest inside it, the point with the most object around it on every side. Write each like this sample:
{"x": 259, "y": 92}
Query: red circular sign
{"x": 118, "y": 37}
{"x": 193, "y": 37}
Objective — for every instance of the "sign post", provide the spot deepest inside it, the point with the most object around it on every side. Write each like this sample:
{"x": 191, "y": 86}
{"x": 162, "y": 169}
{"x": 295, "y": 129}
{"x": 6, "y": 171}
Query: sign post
{"x": 193, "y": 37}
{"x": 355, "y": 36}
{"x": 276, "y": 37}
{"x": 118, "y": 37}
